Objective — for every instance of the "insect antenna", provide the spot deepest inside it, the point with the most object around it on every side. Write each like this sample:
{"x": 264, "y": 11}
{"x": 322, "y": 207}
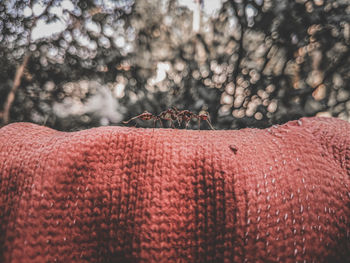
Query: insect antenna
{"x": 211, "y": 126}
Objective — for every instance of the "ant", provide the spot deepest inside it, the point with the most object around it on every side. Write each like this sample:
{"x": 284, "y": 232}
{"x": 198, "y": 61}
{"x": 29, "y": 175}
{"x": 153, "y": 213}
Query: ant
{"x": 173, "y": 114}
{"x": 169, "y": 115}
{"x": 187, "y": 116}
{"x": 145, "y": 116}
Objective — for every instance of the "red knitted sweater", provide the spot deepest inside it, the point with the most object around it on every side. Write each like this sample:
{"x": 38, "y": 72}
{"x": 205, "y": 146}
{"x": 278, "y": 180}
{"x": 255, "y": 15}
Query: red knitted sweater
{"x": 117, "y": 194}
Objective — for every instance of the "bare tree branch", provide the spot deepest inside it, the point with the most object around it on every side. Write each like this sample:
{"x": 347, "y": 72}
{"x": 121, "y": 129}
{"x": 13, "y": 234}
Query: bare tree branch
{"x": 16, "y": 83}
{"x": 5, "y": 114}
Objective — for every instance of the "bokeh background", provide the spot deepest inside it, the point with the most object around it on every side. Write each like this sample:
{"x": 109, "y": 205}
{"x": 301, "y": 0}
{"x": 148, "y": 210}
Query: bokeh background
{"x": 73, "y": 65}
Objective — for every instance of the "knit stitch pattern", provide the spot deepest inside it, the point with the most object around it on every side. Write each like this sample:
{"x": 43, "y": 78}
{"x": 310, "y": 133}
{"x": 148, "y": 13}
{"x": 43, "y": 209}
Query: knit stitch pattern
{"x": 119, "y": 194}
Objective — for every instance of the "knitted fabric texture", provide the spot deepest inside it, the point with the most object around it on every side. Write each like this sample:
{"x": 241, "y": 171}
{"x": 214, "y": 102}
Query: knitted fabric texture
{"x": 118, "y": 194}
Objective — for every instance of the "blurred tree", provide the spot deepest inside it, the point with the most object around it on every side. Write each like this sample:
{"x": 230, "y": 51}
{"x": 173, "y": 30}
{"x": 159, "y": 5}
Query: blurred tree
{"x": 250, "y": 64}
{"x": 291, "y": 58}
{"x": 56, "y": 42}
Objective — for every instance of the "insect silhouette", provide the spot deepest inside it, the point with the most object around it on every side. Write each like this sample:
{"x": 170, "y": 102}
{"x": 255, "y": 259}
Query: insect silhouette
{"x": 174, "y": 115}
{"x": 234, "y": 148}
{"x": 146, "y": 116}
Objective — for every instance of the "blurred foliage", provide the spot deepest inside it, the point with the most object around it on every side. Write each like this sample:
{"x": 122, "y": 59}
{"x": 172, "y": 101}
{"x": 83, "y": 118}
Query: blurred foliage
{"x": 251, "y": 64}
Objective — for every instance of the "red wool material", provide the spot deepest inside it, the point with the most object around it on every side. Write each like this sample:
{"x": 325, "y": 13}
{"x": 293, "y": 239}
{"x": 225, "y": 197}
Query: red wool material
{"x": 119, "y": 194}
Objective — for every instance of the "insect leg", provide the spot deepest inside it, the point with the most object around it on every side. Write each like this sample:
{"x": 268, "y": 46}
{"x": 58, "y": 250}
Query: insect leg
{"x": 133, "y": 118}
{"x": 211, "y": 126}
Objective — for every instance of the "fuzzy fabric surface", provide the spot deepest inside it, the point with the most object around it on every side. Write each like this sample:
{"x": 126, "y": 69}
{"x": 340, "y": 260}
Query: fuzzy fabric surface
{"x": 119, "y": 194}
